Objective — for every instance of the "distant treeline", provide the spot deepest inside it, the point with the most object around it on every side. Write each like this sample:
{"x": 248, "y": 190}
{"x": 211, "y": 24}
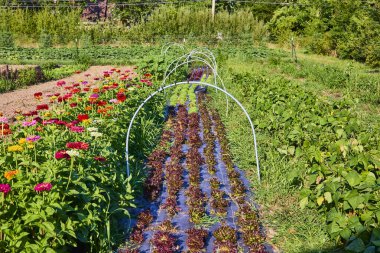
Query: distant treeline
{"x": 344, "y": 28}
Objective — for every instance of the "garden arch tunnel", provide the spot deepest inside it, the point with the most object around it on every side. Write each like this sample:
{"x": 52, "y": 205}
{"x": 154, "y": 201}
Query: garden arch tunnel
{"x": 189, "y": 83}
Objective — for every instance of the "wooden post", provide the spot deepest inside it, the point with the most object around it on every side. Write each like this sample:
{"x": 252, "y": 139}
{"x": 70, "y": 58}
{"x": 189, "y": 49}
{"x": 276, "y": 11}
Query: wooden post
{"x": 213, "y": 10}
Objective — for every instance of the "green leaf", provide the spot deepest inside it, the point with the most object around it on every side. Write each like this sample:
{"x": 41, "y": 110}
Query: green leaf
{"x": 375, "y": 237}
{"x": 356, "y": 245}
{"x": 370, "y": 249}
{"x": 320, "y": 200}
{"x": 353, "y": 178}
{"x": 48, "y": 226}
{"x": 50, "y": 250}
{"x": 327, "y": 196}
{"x": 30, "y": 218}
{"x": 304, "y": 202}
{"x": 355, "y": 201}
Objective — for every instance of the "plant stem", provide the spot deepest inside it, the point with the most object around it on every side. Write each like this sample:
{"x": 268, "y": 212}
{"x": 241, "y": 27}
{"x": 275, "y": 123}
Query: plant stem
{"x": 71, "y": 170}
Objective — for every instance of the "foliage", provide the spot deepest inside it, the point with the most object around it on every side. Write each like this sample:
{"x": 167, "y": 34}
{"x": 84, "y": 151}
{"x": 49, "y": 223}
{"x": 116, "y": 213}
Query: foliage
{"x": 328, "y": 151}
{"x": 68, "y": 190}
{"x": 349, "y": 29}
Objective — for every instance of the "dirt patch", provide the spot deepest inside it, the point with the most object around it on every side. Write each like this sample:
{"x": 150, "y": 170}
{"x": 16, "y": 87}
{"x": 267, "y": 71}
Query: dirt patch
{"x": 23, "y": 99}
{"x": 332, "y": 94}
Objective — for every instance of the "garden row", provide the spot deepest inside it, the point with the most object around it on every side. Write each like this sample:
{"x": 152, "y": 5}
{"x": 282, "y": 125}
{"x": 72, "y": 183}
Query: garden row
{"x": 63, "y": 187}
{"x": 199, "y": 201}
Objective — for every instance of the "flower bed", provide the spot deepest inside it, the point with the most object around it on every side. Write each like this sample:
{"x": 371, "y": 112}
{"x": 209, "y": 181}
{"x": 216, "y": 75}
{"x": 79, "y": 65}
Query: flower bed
{"x": 64, "y": 186}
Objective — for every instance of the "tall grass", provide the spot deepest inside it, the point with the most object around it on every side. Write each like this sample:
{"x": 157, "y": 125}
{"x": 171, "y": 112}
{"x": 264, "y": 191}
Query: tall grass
{"x": 62, "y": 27}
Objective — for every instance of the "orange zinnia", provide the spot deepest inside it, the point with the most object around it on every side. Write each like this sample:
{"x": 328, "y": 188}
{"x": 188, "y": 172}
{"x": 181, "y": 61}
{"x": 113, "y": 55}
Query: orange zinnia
{"x": 10, "y": 174}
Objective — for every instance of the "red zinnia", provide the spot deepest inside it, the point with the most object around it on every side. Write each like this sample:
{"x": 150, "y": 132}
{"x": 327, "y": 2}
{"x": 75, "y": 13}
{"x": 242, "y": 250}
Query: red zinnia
{"x": 38, "y": 95}
{"x": 61, "y": 154}
{"x": 61, "y": 83}
{"x": 73, "y": 104}
{"x": 77, "y": 145}
{"x": 42, "y": 107}
{"x": 82, "y": 117}
{"x": 121, "y": 96}
{"x": 100, "y": 159}
{"x": 102, "y": 103}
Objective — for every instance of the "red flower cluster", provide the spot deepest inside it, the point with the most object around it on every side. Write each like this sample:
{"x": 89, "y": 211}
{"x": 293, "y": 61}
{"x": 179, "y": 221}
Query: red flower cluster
{"x": 4, "y": 129}
{"x": 42, "y": 107}
{"x": 61, "y": 83}
{"x": 77, "y": 145}
{"x": 82, "y": 117}
{"x": 38, "y": 95}
{"x": 61, "y": 154}
{"x": 120, "y": 96}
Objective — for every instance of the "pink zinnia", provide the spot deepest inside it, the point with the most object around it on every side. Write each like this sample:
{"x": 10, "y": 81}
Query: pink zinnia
{"x": 43, "y": 187}
{"x": 76, "y": 129}
{"x": 94, "y": 96}
{"x": 61, "y": 83}
{"x": 61, "y": 154}
{"x": 77, "y": 145}
{"x": 33, "y": 138}
{"x": 29, "y": 123}
{"x": 3, "y": 120}
{"x": 5, "y": 188}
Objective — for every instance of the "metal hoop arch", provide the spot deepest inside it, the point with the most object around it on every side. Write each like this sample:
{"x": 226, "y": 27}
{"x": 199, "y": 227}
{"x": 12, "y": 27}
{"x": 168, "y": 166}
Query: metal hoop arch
{"x": 168, "y": 45}
{"x": 188, "y": 83}
{"x": 216, "y": 75}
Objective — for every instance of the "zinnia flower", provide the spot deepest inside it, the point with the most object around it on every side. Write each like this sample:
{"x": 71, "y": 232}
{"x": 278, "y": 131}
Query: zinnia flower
{"x": 61, "y": 154}
{"x": 43, "y": 187}
{"x": 15, "y": 148}
{"x": 82, "y": 117}
{"x": 33, "y": 138}
{"x": 42, "y": 107}
{"x": 3, "y": 120}
{"x": 96, "y": 134}
{"x": 61, "y": 83}
{"x": 77, "y": 145}
{"x": 5, "y": 188}
{"x": 38, "y": 95}
{"x": 77, "y": 129}
{"x": 72, "y": 152}
{"x": 4, "y": 129}
{"x": 100, "y": 159}
{"x": 29, "y": 123}
{"x": 92, "y": 129}
{"x": 10, "y": 174}
{"x": 121, "y": 97}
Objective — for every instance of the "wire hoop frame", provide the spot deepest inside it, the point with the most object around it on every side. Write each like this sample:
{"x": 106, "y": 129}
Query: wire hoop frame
{"x": 189, "y": 83}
